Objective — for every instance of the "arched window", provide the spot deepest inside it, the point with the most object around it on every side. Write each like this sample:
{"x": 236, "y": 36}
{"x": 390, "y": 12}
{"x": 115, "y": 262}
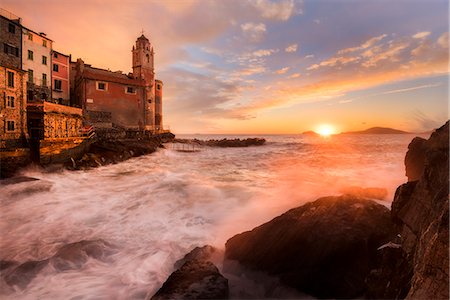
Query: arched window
{"x": 148, "y": 58}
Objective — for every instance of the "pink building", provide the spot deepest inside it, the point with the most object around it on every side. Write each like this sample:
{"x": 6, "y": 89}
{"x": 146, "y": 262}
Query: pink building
{"x": 60, "y": 78}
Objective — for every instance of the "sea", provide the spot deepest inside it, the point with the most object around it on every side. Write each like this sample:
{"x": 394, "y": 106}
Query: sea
{"x": 155, "y": 208}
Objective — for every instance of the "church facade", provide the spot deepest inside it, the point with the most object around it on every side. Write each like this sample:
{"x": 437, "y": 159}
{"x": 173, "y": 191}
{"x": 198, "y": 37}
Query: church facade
{"x": 117, "y": 100}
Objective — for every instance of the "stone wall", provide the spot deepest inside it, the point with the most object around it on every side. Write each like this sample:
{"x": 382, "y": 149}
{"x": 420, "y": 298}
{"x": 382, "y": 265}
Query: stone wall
{"x": 12, "y": 108}
{"x": 61, "y": 121}
{"x": 12, "y": 60}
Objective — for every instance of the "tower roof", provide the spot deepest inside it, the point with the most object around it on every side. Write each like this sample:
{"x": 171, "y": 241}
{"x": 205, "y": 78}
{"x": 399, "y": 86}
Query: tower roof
{"x": 142, "y": 37}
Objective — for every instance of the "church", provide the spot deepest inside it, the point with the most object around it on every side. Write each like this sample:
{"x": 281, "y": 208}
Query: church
{"x": 116, "y": 100}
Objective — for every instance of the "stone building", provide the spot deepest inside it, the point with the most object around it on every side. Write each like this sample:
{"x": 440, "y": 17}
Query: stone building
{"x": 158, "y": 105}
{"x": 60, "y": 78}
{"x": 115, "y": 99}
{"x": 13, "y": 126}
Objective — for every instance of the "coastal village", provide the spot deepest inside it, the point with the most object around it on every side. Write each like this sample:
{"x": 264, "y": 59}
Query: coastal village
{"x": 53, "y": 106}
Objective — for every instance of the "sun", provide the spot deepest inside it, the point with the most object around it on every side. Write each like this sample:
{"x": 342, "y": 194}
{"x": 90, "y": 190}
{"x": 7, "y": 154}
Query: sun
{"x": 325, "y": 130}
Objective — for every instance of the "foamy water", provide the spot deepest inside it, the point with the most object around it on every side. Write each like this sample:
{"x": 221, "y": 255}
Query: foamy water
{"x": 155, "y": 208}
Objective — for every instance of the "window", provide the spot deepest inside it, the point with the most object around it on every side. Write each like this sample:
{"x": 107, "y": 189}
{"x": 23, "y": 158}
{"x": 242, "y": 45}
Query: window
{"x": 158, "y": 87}
{"x": 55, "y": 68}
{"x": 10, "y": 79}
{"x": 11, "y": 28}
{"x": 57, "y": 85}
{"x": 44, "y": 43}
{"x": 30, "y": 55}
{"x": 30, "y": 95}
{"x": 130, "y": 90}
{"x": 8, "y": 49}
{"x": 30, "y": 76}
{"x": 9, "y": 125}
{"x": 10, "y": 101}
{"x": 30, "y": 36}
{"x": 44, "y": 79}
{"x": 55, "y": 55}
{"x": 44, "y": 60}
{"x": 148, "y": 58}
{"x": 101, "y": 86}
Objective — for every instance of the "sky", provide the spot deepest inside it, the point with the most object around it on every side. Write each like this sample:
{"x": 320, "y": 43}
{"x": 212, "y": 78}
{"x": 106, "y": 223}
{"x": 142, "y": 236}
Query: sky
{"x": 269, "y": 67}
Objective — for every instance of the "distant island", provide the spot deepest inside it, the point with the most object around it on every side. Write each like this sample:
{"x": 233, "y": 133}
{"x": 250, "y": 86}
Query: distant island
{"x": 310, "y": 132}
{"x": 377, "y": 130}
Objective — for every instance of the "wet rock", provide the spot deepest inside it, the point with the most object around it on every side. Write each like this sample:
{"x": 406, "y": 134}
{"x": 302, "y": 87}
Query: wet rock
{"x": 205, "y": 253}
{"x": 415, "y": 158}
{"x": 370, "y": 192}
{"x": 68, "y": 257}
{"x": 17, "y": 179}
{"x": 6, "y": 264}
{"x": 325, "y": 248}
{"x": 196, "y": 279}
{"x": 75, "y": 255}
{"x": 22, "y": 275}
{"x": 421, "y": 211}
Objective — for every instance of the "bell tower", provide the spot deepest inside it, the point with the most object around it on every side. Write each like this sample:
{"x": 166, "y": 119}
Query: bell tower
{"x": 143, "y": 58}
{"x": 143, "y": 68}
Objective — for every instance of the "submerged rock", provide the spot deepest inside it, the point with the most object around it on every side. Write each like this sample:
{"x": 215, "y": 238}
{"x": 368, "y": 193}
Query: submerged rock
{"x": 421, "y": 212}
{"x": 196, "y": 277}
{"x": 325, "y": 248}
{"x": 69, "y": 257}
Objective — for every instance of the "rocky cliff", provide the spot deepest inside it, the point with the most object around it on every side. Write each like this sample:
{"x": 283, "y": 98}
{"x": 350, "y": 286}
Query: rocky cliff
{"x": 420, "y": 210}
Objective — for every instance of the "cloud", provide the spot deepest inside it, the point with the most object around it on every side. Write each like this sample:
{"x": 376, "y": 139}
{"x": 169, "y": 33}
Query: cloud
{"x": 254, "y": 32}
{"x": 421, "y": 35}
{"x": 309, "y": 56}
{"x": 345, "y": 101}
{"x": 443, "y": 40}
{"x": 282, "y": 70}
{"x": 291, "y": 48}
{"x": 365, "y": 45}
{"x": 277, "y": 10}
{"x": 295, "y": 75}
{"x": 425, "y": 86}
{"x": 317, "y": 21}
{"x": 264, "y": 52}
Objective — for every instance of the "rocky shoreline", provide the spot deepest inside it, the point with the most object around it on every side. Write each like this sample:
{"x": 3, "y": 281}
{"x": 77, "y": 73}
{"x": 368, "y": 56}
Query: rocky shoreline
{"x": 344, "y": 247}
{"x": 223, "y": 142}
{"x": 99, "y": 153}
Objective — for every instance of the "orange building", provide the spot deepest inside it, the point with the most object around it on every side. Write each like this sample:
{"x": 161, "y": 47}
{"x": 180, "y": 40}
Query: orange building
{"x": 114, "y": 99}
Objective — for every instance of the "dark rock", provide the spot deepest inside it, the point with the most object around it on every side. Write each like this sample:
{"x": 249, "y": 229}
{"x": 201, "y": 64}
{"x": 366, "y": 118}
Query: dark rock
{"x": 370, "y": 192}
{"x": 17, "y": 179}
{"x": 420, "y": 210}
{"x": 415, "y": 158}
{"x": 6, "y": 264}
{"x": 22, "y": 275}
{"x": 392, "y": 277}
{"x": 325, "y": 248}
{"x": 205, "y": 253}
{"x": 196, "y": 279}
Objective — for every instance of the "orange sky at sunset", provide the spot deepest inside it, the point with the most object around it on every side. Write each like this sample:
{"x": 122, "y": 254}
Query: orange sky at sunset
{"x": 262, "y": 66}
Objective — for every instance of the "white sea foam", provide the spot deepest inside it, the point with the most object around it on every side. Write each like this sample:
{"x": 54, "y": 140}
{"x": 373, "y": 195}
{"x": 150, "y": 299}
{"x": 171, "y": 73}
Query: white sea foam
{"x": 155, "y": 208}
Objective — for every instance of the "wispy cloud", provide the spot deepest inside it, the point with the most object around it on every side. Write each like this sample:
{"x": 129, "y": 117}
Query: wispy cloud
{"x": 425, "y": 86}
{"x": 421, "y": 35}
